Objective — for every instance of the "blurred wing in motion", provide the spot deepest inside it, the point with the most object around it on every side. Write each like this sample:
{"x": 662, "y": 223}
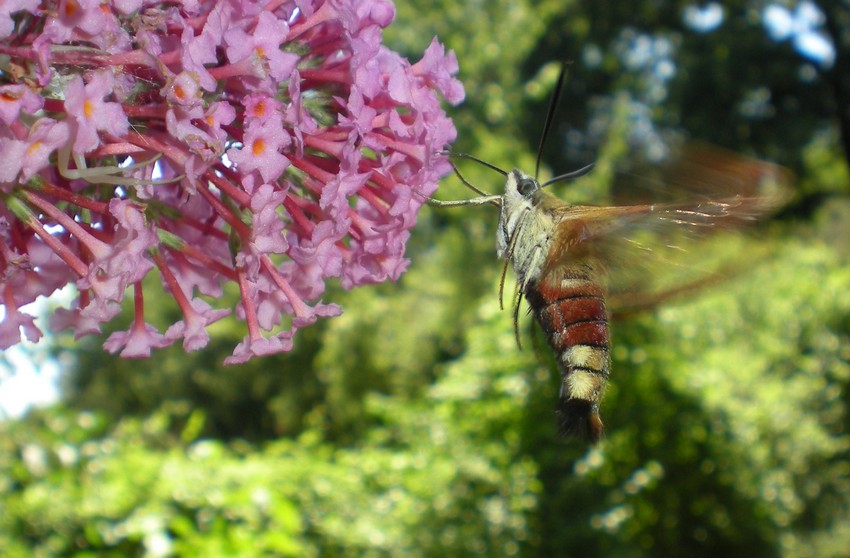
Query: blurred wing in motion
{"x": 655, "y": 253}
{"x": 700, "y": 171}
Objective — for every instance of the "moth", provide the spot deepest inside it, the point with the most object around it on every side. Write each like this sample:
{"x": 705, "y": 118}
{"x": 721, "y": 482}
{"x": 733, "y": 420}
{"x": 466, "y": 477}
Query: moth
{"x": 562, "y": 254}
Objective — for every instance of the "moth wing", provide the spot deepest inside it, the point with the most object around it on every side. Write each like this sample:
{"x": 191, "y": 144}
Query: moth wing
{"x": 651, "y": 253}
{"x": 699, "y": 170}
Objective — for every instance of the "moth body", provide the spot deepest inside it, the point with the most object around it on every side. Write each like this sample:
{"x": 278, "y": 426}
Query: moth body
{"x": 564, "y": 288}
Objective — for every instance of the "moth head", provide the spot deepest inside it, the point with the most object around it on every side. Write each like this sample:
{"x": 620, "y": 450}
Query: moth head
{"x": 520, "y": 185}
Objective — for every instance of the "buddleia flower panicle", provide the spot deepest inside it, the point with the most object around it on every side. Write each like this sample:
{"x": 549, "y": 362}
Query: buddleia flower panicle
{"x": 269, "y": 145}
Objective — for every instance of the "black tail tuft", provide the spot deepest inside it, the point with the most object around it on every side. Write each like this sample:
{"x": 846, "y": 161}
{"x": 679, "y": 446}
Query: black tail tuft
{"x": 579, "y": 418}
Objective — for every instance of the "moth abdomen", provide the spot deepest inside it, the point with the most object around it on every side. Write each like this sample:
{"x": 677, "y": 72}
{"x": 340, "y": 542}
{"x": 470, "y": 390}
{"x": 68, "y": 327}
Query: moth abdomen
{"x": 570, "y": 308}
{"x": 579, "y": 418}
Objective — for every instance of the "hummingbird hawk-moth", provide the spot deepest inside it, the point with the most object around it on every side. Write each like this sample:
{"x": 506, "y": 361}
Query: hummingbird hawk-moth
{"x": 562, "y": 254}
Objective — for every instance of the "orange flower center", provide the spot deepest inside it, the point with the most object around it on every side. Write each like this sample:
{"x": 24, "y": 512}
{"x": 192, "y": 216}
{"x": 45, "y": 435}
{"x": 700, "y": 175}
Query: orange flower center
{"x": 71, "y": 8}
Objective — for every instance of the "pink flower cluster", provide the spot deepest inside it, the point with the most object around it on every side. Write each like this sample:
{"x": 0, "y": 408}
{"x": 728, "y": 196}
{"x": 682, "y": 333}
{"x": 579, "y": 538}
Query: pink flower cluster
{"x": 270, "y": 145}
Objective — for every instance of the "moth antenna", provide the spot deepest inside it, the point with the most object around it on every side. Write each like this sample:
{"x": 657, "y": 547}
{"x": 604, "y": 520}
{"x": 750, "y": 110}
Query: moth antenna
{"x": 467, "y": 183}
{"x": 550, "y": 115}
{"x": 490, "y": 166}
{"x": 570, "y": 175}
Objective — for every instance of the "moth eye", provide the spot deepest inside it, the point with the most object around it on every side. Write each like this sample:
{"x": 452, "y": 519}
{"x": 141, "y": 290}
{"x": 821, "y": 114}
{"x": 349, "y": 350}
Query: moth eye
{"x": 526, "y": 186}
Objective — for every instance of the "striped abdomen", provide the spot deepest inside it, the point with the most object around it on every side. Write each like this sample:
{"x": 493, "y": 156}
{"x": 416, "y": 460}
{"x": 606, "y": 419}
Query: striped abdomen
{"x": 570, "y": 306}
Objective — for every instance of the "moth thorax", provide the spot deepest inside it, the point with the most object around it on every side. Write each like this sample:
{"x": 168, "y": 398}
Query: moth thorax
{"x": 525, "y": 238}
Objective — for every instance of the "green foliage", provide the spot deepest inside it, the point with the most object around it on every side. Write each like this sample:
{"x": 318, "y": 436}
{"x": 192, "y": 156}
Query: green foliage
{"x": 413, "y": 426}
{"x": 137, "y": 492}
{"x": 431, "y": 481}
